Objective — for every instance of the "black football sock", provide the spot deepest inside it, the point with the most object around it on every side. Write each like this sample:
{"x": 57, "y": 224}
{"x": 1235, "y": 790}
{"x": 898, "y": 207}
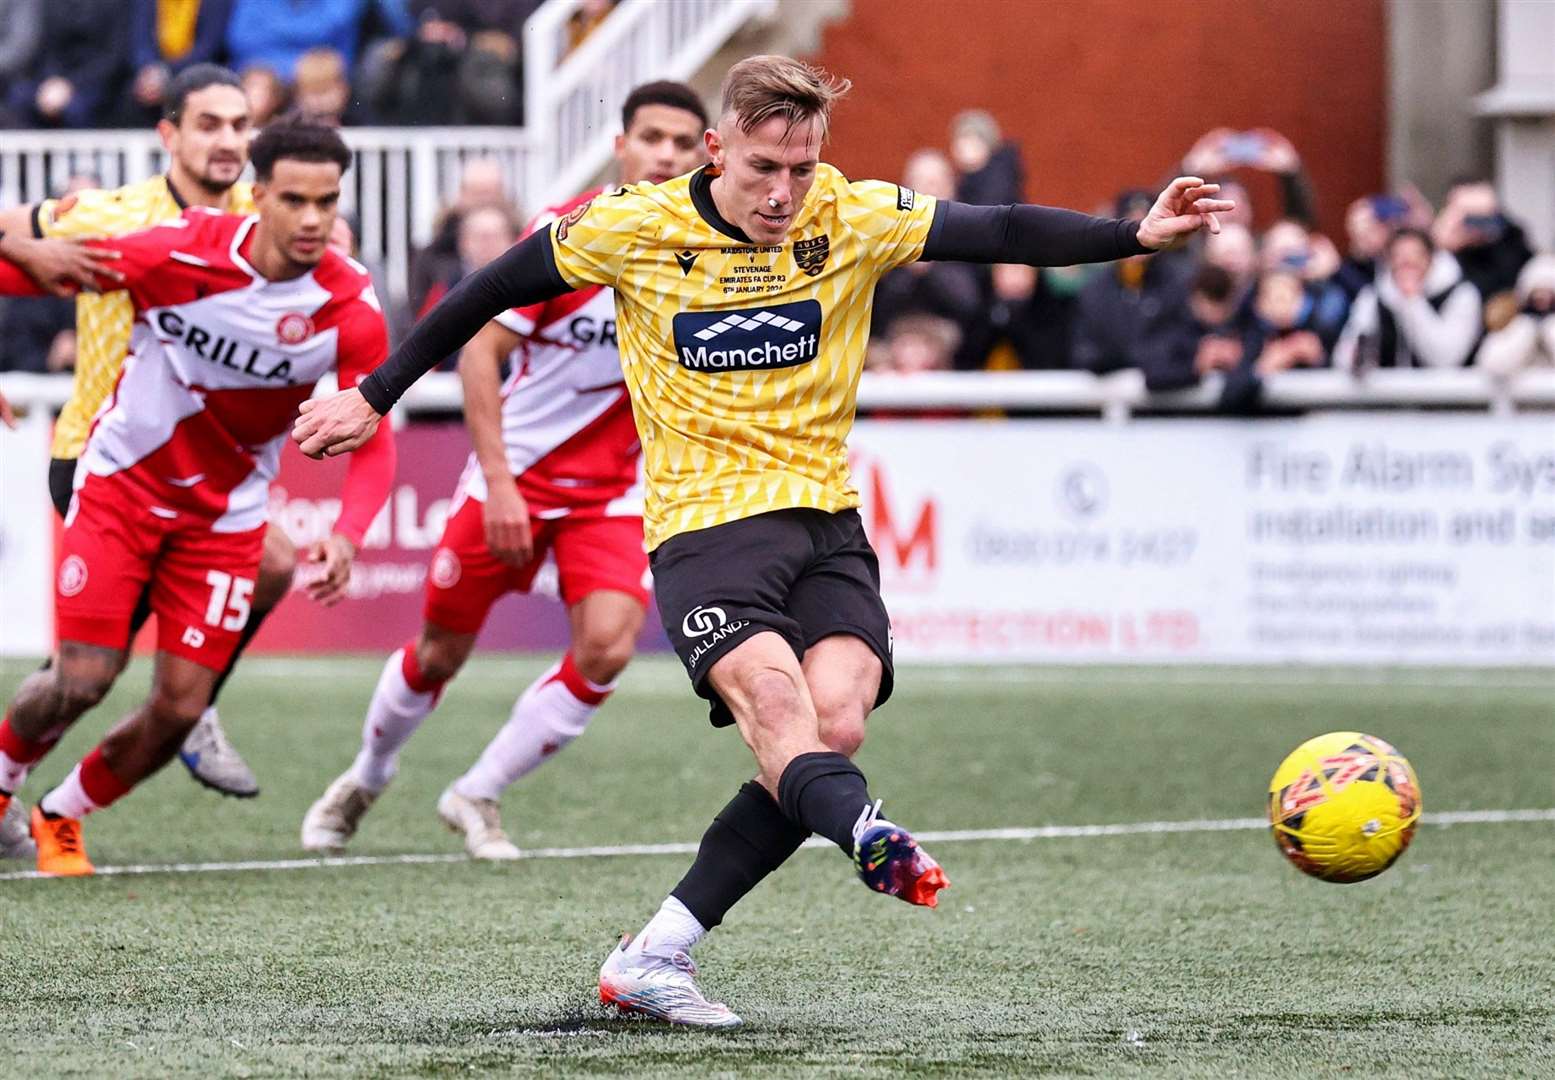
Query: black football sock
{"x": 825, "y": 793}
{"x": 255, "y": 621}
{"x": 748, "y": 840}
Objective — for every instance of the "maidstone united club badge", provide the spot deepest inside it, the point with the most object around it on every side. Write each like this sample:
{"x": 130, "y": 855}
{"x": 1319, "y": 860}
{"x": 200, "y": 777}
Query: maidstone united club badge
{"x": 811, "y": 254}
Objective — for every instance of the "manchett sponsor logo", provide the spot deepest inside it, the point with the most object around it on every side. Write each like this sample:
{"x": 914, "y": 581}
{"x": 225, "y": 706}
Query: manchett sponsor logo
{"x": 783, "y": 335}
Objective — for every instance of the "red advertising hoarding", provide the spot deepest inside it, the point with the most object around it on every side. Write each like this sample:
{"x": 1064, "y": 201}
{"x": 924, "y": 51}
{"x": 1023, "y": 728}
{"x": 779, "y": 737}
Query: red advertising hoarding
{"x": 384, "y": 606}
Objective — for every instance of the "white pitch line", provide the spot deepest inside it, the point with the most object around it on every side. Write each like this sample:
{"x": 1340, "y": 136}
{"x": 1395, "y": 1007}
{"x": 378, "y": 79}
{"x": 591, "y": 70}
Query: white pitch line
{"x": 953, "y": 836}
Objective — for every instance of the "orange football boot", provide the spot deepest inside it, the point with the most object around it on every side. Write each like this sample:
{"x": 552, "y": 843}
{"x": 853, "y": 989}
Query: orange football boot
{"x": 60, "y": 853}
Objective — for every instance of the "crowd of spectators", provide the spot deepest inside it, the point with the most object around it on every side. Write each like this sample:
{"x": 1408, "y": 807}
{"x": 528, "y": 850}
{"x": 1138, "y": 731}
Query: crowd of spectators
{"x": 1414, "y": 286}
{"x": 107, "y": 63}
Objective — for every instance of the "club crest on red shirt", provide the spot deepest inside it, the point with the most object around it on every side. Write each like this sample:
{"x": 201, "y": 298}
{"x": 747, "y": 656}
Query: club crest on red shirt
{"x": 72, "y": 576}
{"x": 293, "y": 328}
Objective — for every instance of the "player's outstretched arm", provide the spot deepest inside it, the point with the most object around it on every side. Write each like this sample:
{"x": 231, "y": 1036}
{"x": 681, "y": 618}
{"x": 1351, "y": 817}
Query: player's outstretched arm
{"x": 60, "y": 267}
{"x": 1049, "y": 236}
{"x": 524, "y": 274}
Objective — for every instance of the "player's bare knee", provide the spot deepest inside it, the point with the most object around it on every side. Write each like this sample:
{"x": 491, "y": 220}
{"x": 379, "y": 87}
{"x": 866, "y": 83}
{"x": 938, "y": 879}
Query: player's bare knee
{"x": 78, "y": 691}
{"x": 440, "y": 655}
{"x": 601, "y": 657}
{"x": 82, "y": 678}
{"x": 172, "y": 712}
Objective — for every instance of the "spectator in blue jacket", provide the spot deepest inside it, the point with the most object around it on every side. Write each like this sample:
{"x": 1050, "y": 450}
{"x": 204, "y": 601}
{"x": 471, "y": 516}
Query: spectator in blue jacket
{"x": 275, "y": 33}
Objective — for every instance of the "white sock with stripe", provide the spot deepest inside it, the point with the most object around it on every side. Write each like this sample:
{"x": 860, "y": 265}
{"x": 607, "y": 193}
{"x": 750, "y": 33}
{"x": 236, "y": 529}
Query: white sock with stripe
{"x": 401, "y": 701}
{"x": 547, "y": 716}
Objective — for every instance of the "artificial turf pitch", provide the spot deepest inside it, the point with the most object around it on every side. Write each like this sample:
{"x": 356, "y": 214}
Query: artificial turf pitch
{"x": 1166, "y": 954}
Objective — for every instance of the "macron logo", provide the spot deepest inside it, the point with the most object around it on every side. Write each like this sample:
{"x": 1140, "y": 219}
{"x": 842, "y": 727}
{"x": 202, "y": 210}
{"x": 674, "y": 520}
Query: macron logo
{"x": 781, "y": 335}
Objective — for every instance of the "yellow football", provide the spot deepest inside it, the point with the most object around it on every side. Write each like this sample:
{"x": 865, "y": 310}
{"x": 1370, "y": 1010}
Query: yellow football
{"x": 1343, "y": 806}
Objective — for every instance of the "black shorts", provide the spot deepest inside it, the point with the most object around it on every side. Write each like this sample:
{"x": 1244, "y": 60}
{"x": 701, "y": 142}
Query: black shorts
{"x": 62, "y": 482}
{"x": 806, "y": 574}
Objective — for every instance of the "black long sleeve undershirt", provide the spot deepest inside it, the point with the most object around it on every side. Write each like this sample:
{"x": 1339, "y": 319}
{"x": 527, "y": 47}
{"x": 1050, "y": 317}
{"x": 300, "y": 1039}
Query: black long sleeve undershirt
{"x": 1034, "y": 235}
{"x": 524, "y": 274}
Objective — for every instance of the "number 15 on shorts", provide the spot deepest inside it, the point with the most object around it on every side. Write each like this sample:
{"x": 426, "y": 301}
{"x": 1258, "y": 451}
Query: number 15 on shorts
{"x": 229, "y": 606}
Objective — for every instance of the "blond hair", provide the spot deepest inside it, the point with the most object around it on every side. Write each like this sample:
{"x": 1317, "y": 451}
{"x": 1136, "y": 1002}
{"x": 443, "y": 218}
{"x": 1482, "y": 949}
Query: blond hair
{"x": 761, "y": 87}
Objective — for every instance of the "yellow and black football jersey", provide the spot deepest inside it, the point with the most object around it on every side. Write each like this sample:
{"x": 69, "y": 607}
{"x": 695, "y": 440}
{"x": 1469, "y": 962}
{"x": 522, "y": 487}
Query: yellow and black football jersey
{"x": 743, "y": 359}
{"x": 103, "y": 321}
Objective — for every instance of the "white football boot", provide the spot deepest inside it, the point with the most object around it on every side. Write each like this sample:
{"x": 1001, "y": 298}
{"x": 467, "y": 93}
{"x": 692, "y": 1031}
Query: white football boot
{"x": 480, "y": 822}
{"x": 333, "y": 819}
{"x": 213, "y": 761}
{"x": 663, "y": 987}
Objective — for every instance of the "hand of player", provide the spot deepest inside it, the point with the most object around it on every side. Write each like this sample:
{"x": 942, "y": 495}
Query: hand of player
{"x": 507, "y": 523}
{"x": 336, "y": 553}
{"x": 1184, "y": 207}
{"x": 64, "y": 267}
{"x": 7, "y": 414}
{"x": 334, "y": 425}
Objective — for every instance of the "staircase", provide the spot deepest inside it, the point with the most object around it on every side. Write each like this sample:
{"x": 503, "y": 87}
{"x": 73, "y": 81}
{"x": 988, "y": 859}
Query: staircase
{"x": 572, "y": 99}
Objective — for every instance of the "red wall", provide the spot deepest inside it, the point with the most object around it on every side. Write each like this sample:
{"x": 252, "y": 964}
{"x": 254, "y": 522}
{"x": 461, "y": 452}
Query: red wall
{"x": 1107, "y": 94}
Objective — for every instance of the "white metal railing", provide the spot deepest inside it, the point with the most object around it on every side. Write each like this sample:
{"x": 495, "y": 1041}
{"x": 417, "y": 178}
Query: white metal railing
{"x": 1116, "y": 396}
{"x": 571, "y": 99}
{"x": 403, "y": 176}
{"x": 400, "y": 179}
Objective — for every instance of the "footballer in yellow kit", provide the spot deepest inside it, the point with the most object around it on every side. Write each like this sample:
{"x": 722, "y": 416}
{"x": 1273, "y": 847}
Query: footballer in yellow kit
{"x": 743, "y": 296}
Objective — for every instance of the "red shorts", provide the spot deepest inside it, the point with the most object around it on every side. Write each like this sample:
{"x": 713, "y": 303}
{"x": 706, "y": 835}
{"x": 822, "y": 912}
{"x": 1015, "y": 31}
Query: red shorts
{"x": 119, "y": 544}
{"x": 592, "y": 553}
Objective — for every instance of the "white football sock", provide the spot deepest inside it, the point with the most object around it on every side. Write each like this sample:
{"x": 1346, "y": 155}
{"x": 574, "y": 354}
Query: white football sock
{"x": 546, "y": 717}
{"x": 69, "y": 799}
{"x": 672, "y": 928}
{"x": 393, "y": 716}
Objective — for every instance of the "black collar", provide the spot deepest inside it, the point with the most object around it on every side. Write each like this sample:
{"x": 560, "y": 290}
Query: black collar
{"x": 702, "y": 199}
{"x": 183, "y": 204}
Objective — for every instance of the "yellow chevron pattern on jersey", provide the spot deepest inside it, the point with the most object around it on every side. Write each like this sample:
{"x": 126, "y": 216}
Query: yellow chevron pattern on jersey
{"x": 103, "y": 321}
{"x": 721, "y": 445}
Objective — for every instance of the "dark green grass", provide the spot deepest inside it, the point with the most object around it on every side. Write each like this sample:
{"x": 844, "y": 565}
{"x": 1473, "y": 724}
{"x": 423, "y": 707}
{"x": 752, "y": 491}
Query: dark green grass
{"x": 1169, "y": 955}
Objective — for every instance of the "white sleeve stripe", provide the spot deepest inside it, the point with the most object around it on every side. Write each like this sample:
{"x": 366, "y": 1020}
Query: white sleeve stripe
{"x": 515, "y": 322}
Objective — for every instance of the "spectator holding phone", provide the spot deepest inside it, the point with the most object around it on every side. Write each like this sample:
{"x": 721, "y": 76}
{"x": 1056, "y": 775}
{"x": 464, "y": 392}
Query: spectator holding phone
{"x": 1223, "y": 150}
{"x": 1290, "y": 247}
{"x": 1489, "y": 246}
{"x": 1421, "y": 312}
{"x": 1368, "y": 223}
